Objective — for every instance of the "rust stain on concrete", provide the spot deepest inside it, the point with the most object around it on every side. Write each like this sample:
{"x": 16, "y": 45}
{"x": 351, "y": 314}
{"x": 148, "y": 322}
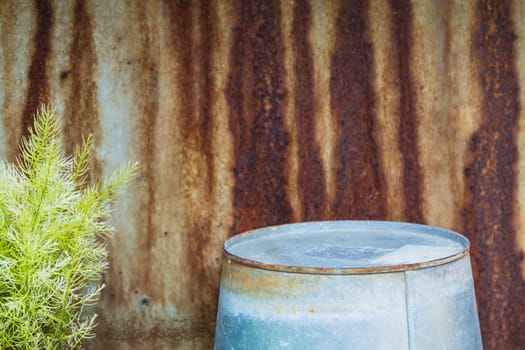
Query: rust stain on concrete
{"x": 255, "y": 96}
{"x": 491, "y": 182}
{"x": 360, "y": 181}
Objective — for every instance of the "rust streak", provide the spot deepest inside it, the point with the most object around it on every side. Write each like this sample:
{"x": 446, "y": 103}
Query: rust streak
{"x": 38, "y": 89}
{"x": 360, "y": 179}
{"x": 134, "y": 279}
{"x": 255, "y": 96}
{"x": 196, "y": 126}
{"x": 81, "y": 110}
{"x": 204, "y": 287}
{"x": 193, "y": 32}
{"x": 149, "y": 110}
{"x": 491, "y": 182}
{"x": 311, "y": 184}
{"x": 408, "y": 122}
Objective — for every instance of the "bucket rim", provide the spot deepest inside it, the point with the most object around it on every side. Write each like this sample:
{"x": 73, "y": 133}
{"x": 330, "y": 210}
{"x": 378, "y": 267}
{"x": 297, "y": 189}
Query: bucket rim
{"x": 387, "y": 268}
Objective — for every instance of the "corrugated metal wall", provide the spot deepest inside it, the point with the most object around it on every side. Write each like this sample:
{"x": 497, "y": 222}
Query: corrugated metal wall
{"x": 252, "y": 113}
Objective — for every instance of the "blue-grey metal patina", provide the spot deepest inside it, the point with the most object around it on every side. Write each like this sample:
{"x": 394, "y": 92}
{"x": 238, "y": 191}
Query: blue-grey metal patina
{"x": 347, "y": 285}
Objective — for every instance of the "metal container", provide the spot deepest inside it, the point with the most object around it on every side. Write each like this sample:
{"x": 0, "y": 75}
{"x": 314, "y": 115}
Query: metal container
{"x": 347, "y": 285}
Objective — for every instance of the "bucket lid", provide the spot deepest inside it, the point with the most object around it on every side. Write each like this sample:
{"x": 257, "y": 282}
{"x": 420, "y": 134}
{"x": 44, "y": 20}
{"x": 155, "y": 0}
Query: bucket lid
{"x": 346, "y": 247}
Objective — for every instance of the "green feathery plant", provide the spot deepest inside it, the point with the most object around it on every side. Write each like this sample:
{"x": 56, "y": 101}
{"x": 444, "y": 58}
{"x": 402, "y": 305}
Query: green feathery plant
{"x": 51, "y": 254}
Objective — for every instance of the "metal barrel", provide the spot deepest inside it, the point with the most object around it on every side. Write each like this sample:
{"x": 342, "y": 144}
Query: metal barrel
{"x": 347, "y": 285}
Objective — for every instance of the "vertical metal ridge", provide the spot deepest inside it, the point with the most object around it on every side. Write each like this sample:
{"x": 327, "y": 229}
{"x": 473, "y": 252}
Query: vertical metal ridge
{"x": 220, "y": 18}
{"x": 518, "y": 13}
{"x": 490, "y": 175}
{"x": 17, "y": 31}
{"x": 37, "y": 91}
{"x": 149, "y": 105}
{"x": 198, "y": 133}
{"x": 463, "y": 97}
{"x": 255, "y": 96}
{"x": 430, "y": 105}
{"x": 311, "y": 183}
{"x": 359, "y": 174}
{"x": 191, "y": 33}
{"x": 322, "y": 37}
{"x": 408, "y": 141}
{"x": 388, "y": 106}
{"x": 81, "y": 115}
{"x": 288, "y": 19}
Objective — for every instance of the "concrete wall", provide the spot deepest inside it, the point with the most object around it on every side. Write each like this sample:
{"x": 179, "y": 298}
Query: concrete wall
{"x": 252, "y": 113}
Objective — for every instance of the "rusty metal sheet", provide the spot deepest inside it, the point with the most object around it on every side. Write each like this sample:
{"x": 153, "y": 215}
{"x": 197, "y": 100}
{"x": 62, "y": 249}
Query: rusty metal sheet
{"x": 247, "y": 114}
{"x": 491, "y": 179}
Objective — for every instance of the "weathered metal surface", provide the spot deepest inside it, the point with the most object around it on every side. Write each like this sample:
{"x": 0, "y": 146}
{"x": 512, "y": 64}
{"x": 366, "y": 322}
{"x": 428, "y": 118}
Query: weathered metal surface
{"x": 247, "y": 114}
{"x": 359, "y": 179}
{"x": 347, "y": 284}
{"x": 402, "y": 33}
{"x": 256, "y": 96}
{"x": 491, "y": 179}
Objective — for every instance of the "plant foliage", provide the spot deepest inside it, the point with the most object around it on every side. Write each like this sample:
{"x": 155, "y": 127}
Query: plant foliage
{"x": 51, "y": 252}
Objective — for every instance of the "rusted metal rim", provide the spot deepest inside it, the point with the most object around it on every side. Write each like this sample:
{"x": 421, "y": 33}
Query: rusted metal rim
{"x": 444, "y": 233}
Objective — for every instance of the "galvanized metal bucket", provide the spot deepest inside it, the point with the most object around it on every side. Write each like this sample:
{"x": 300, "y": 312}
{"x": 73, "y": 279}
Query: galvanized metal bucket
{"x": 347, "y": 285}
